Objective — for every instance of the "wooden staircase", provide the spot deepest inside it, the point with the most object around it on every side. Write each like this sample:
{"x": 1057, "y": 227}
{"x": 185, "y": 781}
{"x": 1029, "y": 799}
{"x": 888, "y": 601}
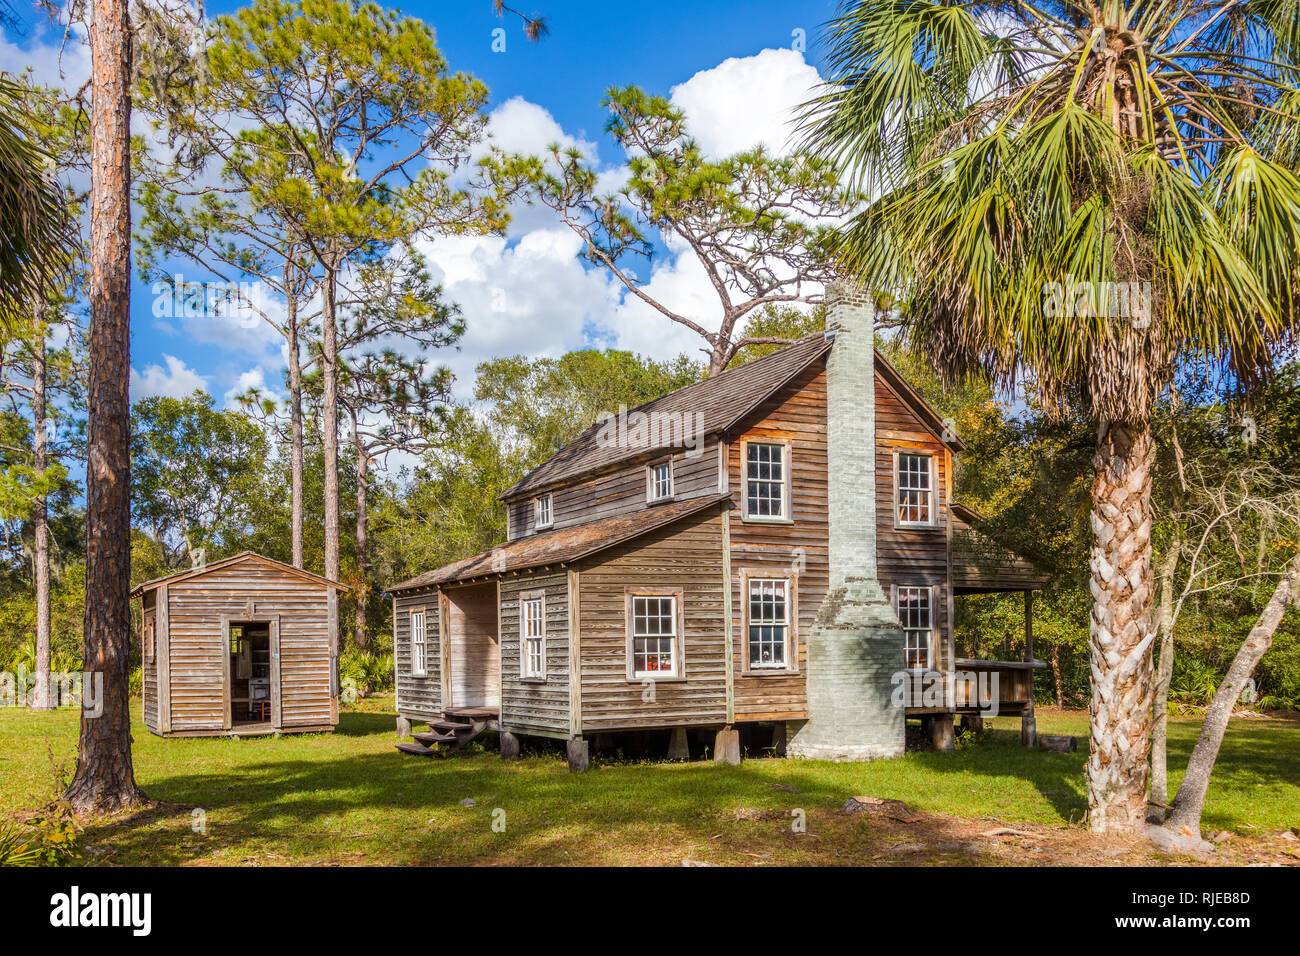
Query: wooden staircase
{"x": 458, "y": 727}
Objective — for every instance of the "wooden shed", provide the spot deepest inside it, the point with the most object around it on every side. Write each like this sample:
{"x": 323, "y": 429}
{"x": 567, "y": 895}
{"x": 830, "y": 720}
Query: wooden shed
{"x": 245, "y": 645}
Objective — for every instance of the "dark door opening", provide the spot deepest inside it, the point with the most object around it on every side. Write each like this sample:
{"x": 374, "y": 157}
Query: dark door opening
{"x": 250, "y": 674}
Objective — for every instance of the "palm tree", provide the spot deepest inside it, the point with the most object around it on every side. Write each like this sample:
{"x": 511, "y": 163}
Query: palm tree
{"x": 1078, "y": 195}
{"x": 34, "y": 239}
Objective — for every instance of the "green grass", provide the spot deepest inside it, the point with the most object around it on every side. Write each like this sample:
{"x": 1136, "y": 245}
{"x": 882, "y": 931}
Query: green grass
{"x": 350, "y": 797}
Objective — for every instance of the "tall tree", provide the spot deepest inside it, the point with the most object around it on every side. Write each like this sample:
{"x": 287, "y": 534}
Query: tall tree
{"x": 1081, "y": 194}
{"x": 356, "y": 125}
{"x": 105, "y": 777}
{"x": 757, "y": 224}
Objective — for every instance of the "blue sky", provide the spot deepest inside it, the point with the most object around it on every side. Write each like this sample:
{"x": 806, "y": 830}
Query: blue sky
{"x": 735, "y": 67}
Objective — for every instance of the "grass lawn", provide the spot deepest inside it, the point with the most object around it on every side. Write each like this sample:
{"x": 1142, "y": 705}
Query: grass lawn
{"x": 350, "y": 797}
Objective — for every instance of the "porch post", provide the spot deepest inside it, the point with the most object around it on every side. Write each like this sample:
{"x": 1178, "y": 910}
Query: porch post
{"x": 1028, "y": 726}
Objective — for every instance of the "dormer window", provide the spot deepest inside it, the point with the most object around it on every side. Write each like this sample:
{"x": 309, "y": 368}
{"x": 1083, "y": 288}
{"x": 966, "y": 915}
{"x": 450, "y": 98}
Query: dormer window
{"x": 659, "y": 480}
{"x": 543, "y": 514}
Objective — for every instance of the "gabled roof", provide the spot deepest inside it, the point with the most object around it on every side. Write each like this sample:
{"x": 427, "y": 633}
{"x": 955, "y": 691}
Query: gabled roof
{"x": 561, "y": 546}
{"x": 236, "y": 559}
{"x": 723, "y": 400}
{"x": 981, "y": 564}
{"x": 923, "y": 409}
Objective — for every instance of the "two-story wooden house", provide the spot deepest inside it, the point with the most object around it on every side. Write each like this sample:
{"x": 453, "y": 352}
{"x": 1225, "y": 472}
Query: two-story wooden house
{"x": 688, "y": 564}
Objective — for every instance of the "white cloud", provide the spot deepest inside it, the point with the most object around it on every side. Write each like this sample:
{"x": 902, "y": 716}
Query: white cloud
{"x": 520, "y": 126}
{"x": 746, "y": 101}
{"x": 253, "y": 378}
{"x": 175, "y": 381}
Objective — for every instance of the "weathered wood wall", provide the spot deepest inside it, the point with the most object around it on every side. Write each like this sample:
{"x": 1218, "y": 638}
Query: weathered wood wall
{"x": 619, "y": 490}
{"x": 149, "y": 668}
{"x": 536, "y": 706}
{"x": 907, "y": 555}
{"x": 687, "y": 555}
{"x": 471, "y": 624}
{"x": 797, "y": 550}
{"x": 418, "y": 697}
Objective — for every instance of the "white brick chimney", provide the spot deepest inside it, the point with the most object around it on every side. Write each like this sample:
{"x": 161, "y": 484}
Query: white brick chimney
{"x": 856, "y": 644}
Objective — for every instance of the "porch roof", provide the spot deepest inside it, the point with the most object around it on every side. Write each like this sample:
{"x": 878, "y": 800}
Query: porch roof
{"x": 560, "y": 546}
{"x": 981, "y": 564}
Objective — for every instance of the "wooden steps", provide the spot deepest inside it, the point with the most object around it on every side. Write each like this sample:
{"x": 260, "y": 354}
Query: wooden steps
{"x": 459, "y": 726}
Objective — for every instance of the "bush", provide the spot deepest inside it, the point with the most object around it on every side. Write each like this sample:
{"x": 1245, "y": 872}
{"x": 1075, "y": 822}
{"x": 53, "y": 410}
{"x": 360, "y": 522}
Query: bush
{"x": 367, "y": 673}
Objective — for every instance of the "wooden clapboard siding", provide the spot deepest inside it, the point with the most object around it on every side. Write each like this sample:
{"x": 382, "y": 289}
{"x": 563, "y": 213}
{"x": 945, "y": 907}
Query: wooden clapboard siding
{"x": 472, "y": 640}
{"x": 797, "y": 550}
{"x": 619, "y": 490}
{"x": 148, "y": 667}
{"x": 686, "y": 555}
{"x": 536, "y": 706}
{"x": 418, "y": 696}
{"x": 249, "y": 591}
{"x": 912, "y": 556}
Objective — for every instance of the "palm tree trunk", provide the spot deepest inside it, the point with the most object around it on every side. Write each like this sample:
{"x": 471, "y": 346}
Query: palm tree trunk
{"x": 363, "y": 545}
{"x": 1190, "y": 802}
{"x": 295, "y": 421}
{"x": 41, "y": 529}
{"x": 1120, "y": 632}
{"x": 1164, "y": 674}
{"x": 105, "y": 778}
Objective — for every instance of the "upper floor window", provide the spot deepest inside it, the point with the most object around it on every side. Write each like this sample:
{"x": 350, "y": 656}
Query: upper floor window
{"x": 769, "y": 623}
{"x": 532, "y": 631}
{"x": 915, "y": 609}
{"x": 659, "y": 480}
{"x": 767, "y": 484}
{"x": 419, "y": 645}
{"x": 654, "y": 635}
{"x": 543, "y": 514}
{"x": 914, "y": 480}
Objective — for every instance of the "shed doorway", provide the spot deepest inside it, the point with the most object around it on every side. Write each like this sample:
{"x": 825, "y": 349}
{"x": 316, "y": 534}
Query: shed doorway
{"x": 475, "y": 674}
{"x": 252, "y": 692}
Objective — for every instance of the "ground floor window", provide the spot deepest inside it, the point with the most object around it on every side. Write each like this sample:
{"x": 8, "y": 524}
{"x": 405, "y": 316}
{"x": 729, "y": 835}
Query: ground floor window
{"x": 532, "y": 654}
{"x": 915, "y": 608}
{"x": 419, "y": 645}
{"x": 769, "y": 623}
{"x": 654, "y": 635}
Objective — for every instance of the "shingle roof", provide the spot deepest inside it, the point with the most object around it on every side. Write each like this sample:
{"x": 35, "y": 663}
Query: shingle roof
{"x": 723, "y": 400}
{"x": 980, "y": 564}
{"x": 227, "y": 562}
{"x": 562, "y": 545}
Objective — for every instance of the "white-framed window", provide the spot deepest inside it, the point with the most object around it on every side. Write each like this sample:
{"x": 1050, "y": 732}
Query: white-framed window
{"x": 654, "y": 635}
{"x": 914, "y": 479}
{"x": 767, "y": 482}
{"x": 419, "y": 643}
{"x": 543, "y": 513}
{"x": 532, "y": 636}
{"x": 915, "y": 607}
{"x": 659, "y": 480}
{"x": 769, "y": 624}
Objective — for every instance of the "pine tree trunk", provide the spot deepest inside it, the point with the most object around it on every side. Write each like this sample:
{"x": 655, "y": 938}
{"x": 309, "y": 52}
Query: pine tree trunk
{"x": 363, "y": 544}
{"x": 1189, "y": 804}
{"x": 41, "y": 529}
{"x": 330, "y": 419}
{"x": 1164, "y": 674}
{"x": 105, "y": 778}
{"x": 295, "y": 423}
{"x": 1120, "y": 633}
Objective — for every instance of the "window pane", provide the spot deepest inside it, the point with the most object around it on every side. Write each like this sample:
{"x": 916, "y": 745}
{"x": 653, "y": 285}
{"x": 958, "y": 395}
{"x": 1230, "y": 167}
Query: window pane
{"x": 914, "y": 488}
{"x": 768, "y": 622}
{"x": 916, "y": 615}
{"x": 654, "y": 622}
{"x": 765, "y": 480}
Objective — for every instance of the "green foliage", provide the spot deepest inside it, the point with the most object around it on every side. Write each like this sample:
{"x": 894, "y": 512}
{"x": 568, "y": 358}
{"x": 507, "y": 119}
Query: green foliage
{"x": 195, "y": 473}
{"x": 367, "y": 673}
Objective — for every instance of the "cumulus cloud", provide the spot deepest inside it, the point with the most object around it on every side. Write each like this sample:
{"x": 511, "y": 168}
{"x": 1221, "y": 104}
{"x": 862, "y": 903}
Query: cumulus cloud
{"x": 175, "y": 381}
{"x": 747, "y": 101}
